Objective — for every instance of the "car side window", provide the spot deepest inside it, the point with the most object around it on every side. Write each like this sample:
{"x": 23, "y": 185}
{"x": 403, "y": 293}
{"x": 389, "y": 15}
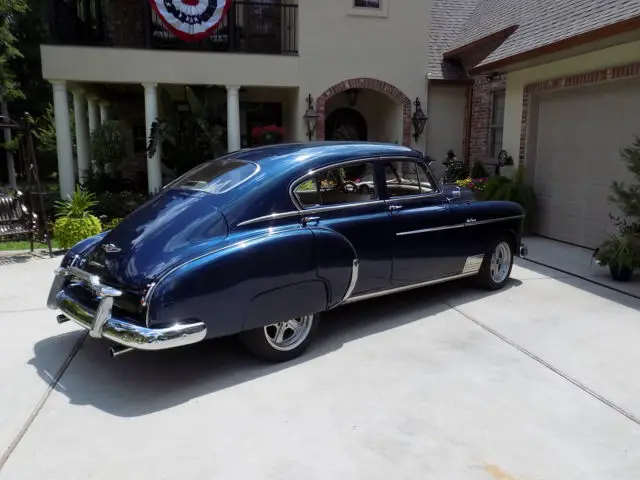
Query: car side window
{"x": 352, "y": 183}
{"x": 406, "y": 178}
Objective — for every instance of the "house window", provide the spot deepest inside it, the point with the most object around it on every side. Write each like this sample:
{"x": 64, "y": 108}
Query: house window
{"x": 368, "y": 8}
{"x": 497, "y": 124}
{"x": 367, "y": 3}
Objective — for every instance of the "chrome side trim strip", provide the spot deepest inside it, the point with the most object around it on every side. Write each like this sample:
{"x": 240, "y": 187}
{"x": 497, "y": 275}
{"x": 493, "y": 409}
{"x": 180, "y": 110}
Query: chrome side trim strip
{"x": 493, "y": 220}
{"x": 354, "y": 280}
{"x": 404, "y": 288}
{"x": 266, "y": 218}
{"x": 435, "y": 229}
{"x": 460, "y": 225}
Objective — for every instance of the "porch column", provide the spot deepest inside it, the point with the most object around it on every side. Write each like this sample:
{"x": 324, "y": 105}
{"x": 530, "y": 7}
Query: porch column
{"x": 66, "y": 175}
{"x": 11, "y": 168}
{"x": 82, "y": 134}
{"x": 233, "y": 118}
{"x": 154, "y": 167}
{"x": 104, "y": 111}
{"x": 94, "y": 112}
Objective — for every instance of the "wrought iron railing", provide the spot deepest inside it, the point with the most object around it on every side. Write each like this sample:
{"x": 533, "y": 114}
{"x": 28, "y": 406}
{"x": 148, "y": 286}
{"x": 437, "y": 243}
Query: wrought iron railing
{"x": 250, "y": 26}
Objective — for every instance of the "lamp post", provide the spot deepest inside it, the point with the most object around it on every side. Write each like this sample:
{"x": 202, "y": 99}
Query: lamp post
{"x": 419, "y": 120}
{"x": 311, "y": 117}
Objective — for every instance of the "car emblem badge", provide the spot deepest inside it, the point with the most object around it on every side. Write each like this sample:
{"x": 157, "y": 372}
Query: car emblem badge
{"x": 111, "y": 248}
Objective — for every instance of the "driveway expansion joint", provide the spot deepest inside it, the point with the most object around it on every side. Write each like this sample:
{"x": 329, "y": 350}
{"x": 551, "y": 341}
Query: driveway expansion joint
{"x": 36, "y": 410}
{"x": 547, "y": 365}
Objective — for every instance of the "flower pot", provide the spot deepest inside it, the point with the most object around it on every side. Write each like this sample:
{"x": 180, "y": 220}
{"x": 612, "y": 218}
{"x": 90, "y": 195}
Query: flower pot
{"x": 621, "y": 274}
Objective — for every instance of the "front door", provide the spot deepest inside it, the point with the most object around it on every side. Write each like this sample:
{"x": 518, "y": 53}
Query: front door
{"x": 342, "y": 199}
{"x": 429, "y": 238}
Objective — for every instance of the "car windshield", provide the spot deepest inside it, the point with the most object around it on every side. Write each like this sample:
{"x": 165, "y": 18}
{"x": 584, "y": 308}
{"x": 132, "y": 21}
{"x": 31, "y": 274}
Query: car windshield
{"x": 218, "y": 176}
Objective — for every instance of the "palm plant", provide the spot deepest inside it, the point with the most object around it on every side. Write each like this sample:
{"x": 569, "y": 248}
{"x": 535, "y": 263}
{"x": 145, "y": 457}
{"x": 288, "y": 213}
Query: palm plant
{"x": 78, "y": 205}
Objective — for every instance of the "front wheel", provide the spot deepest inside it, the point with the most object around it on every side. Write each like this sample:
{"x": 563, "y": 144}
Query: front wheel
{"x": 496, "y": 266}
{"x": 281, "y": 341}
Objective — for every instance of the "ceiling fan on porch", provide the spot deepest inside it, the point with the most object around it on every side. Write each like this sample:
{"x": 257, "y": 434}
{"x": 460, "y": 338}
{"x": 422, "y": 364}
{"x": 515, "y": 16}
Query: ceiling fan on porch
{"x": 191, "y": 20}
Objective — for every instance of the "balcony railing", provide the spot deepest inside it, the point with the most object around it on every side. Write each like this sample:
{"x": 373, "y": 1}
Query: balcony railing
{"x": 249, "y": 27}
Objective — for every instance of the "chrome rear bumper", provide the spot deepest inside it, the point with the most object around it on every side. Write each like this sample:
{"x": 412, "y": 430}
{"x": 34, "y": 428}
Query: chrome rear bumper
{"x": 101, "y": 324}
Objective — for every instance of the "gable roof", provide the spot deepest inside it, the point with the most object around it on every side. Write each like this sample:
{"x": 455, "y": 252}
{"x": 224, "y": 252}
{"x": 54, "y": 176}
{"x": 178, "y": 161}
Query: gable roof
{"x": 447, "y": 17}
{"x": 514, "y": 27}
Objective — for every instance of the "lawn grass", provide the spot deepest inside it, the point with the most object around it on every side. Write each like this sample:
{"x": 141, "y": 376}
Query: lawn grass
{"x": 24, "y": 245}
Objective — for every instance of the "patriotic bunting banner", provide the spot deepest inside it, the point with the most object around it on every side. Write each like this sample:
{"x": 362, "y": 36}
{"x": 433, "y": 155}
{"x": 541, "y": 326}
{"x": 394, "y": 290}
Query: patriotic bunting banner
{"x": 191, "y": 20}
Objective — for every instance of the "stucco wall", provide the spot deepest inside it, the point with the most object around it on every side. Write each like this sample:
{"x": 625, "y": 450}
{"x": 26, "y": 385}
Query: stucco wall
{"x": 334, "y": 44}
{"x": 516, "y": 82}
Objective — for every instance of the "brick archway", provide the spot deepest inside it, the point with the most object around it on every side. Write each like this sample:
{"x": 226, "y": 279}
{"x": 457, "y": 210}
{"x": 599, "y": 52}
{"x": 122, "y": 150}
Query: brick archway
{"x": 369, "y": 84}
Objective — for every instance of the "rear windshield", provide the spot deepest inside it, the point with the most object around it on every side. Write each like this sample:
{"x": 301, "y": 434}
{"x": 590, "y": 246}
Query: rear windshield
{"x": 217, "y": 176}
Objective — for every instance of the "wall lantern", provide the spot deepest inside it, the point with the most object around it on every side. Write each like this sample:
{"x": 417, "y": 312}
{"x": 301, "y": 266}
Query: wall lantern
{"x": 419, "y": 120}
{"x": 311, "y": 117}
{"x": 352, "y": 96}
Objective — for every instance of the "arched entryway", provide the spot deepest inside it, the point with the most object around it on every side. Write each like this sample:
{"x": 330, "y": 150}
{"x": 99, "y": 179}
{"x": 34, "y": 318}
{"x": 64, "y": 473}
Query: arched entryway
{"x": 345, "y": 124}
{"x": 385, "y": 109}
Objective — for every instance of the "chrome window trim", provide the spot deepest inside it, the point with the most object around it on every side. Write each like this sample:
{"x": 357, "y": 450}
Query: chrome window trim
{"x": 438, "y": 191}
{"x": 310, "y": 173}
{"x": 171, "y": 184}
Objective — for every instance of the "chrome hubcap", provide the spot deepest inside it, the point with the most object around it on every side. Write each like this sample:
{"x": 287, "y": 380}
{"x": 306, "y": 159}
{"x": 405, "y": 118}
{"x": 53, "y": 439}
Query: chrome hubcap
{"x": 285, "y": 336}
{"x": 500, "y": 262}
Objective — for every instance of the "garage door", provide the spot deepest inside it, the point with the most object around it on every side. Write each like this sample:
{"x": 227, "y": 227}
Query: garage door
{"x": 577, "y": 156}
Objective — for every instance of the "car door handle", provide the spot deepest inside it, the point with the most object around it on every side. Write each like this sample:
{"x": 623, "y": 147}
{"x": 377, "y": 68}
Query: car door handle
{"x": 310, "y": 220}
{"x": 393, "y": 208}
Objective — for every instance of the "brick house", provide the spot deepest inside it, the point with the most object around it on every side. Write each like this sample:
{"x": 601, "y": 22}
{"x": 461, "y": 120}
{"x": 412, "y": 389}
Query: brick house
{"x": 555, "y": 84}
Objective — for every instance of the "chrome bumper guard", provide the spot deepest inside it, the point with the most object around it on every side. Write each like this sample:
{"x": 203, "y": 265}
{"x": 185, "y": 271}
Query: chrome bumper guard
{"x": 523, "y": 251}
{"x": 101, "y": 324}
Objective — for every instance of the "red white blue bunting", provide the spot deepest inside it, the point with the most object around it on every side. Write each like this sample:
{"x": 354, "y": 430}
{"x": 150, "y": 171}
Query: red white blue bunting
{"x": 191, "y": 20}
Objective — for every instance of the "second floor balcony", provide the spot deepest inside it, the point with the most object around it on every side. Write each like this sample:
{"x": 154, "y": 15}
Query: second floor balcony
{"x": 250, "y": 26}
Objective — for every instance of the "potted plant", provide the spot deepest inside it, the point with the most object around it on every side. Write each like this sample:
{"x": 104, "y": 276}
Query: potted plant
{"x": 268, "y": 135}
{"x": 621, "y": 253}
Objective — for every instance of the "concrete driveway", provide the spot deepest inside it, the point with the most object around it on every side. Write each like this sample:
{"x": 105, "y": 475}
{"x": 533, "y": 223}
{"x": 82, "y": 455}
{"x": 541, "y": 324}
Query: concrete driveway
{"x": 537, "y": 381}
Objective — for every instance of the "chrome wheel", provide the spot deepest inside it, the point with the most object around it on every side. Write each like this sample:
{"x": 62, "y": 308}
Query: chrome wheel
{"x": 286, "y": 336}
{"x": 500, "y": 262}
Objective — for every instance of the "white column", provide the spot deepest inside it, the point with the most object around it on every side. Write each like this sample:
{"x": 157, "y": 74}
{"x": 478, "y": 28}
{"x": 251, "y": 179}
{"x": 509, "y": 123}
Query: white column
{"x": 94, "y": 112}
{"x": 154, "y": 168}
{"x": 66, "y": 175}
{"x": 82, "y": 134}
{"x": 233, "y": 118}
{"x": 104, "y": 111}
{"x": 11, "y": 168}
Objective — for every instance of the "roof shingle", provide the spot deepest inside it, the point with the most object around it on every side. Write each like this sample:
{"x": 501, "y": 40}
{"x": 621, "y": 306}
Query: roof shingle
{"x": 539, "y": 22}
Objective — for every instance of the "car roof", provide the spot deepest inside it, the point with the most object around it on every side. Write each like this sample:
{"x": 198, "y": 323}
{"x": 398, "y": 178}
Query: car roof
{"x": 305, "y": 156}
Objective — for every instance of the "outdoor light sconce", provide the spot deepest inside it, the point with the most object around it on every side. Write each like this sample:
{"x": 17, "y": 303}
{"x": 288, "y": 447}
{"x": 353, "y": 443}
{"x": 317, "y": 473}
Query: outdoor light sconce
{"x": 419, "y": 120}
{"x": 352, "y": 96}
{"x": 311, "y": 117}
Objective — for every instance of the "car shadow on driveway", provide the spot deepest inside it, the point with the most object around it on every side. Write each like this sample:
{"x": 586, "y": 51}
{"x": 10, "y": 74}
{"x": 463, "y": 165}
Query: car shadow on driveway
{"x": 142, "y": 383}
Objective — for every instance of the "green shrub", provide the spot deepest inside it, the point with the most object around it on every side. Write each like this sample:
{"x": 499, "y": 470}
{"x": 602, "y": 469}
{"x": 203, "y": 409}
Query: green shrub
{"x": 78, "y": 205}
{"x": 620, "y": 251}
{"x": 111, "y": 224}
{"x": 479, "y": 171}
{"x": 516, "y": 190}
{"x": 69, "y": 231}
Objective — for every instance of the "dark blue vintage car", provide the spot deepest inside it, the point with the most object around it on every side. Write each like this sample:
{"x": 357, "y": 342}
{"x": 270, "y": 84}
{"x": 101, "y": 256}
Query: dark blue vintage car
{"x": 261, "y": 241}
